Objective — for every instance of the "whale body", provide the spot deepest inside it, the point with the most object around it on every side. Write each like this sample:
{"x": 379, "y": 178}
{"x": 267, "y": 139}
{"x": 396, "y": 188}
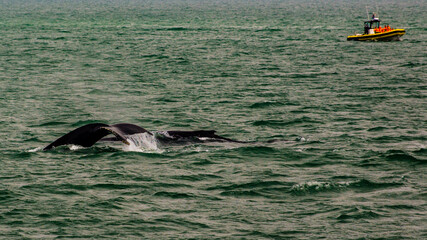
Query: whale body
{"x": 88, "y": 135}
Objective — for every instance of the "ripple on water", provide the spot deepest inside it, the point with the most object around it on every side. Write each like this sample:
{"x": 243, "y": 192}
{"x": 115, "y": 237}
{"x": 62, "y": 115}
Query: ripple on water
{"x": 403, "y": 157}
{"x": 283, "y": 123}
{"x": 363, "y": 185}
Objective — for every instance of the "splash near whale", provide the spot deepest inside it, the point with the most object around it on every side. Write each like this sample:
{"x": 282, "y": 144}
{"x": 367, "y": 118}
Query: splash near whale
{"x": 88, "y": 135}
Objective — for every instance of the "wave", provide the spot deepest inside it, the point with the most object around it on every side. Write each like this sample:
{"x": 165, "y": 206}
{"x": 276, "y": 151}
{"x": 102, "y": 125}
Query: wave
{"x": 181, "y": 222}
{"x": 272, "y": 189}
{"x": 197, "y": 177}
{"x": 412, "y": 64}
{"x": 357, "y": 213}
{"x": 181, "y": 28}
{"x": 253, "y": 184}
{"x": 315, "y": 186}
{"x": 52, "y": 123}
{"x": 242, "y": 193}
{"x": 402, "y": 156}
{"x": 77, "y": 189}
{"x": 256, "y": 150}
{"x": 282, "y": 123}
{"x": 256, "y": 188}
{"x": 7, "y": 195}
{"x": 319, "y": 187}
{"x": 377, "y": 129}
{"x": 266, "y": 104}
{"x": 173, "y": 195}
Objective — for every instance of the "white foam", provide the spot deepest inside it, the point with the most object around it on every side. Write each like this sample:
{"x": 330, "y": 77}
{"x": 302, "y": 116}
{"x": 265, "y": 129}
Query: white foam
{"x": 142, "y": 142}
{"x": 75, "y": 147}
{"x": 319, "y": 186}
{"x": 71, "y": 147}
{"x": 35, "y": 149}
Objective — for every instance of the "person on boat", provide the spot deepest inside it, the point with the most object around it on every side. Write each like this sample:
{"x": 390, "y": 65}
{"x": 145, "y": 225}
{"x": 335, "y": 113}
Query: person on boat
{"x": 366, "y": 29}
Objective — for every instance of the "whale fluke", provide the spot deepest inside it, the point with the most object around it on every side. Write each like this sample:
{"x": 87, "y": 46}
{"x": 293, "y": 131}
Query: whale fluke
{"x": 89, "y": 134}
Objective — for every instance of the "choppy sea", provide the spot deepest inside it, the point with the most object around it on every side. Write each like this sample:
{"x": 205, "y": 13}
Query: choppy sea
{"x": 338, "y": 128}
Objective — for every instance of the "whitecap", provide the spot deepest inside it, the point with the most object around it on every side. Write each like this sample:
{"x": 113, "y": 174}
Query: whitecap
{"x": 35, "y": 149}
{"x": 319, "y": 186}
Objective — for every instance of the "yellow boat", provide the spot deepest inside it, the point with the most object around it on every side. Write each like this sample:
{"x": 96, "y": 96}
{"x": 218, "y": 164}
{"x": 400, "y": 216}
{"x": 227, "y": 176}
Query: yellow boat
{"x": 374, "y": 32}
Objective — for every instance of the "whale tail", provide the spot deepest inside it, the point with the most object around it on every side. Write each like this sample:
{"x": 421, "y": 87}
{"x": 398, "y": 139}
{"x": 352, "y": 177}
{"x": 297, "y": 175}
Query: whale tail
{"x": 89, "y": 134}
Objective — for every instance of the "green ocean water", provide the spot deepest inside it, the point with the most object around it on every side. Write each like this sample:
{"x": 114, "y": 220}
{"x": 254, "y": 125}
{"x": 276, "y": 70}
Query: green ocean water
{"x": 338, "y": 128}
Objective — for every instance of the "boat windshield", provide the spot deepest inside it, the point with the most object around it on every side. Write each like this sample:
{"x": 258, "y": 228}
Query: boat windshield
{"x": 375, "y": 24}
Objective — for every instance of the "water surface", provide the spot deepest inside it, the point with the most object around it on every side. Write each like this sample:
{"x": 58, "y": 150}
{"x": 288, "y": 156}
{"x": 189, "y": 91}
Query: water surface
{"x": 350, "y": 118}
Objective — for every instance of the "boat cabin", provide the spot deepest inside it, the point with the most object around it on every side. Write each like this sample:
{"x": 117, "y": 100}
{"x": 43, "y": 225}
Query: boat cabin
{"x": 371, "y": 25}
